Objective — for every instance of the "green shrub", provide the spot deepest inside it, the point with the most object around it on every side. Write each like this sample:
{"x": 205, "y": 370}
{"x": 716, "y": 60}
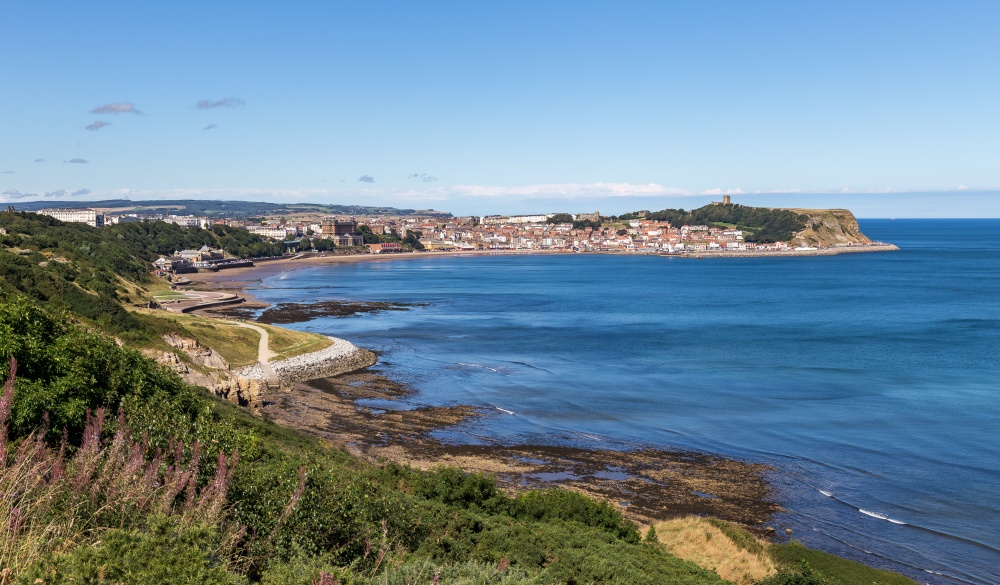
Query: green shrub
{"x": 563, "y": 505}
{"x": 163, "y": 553}
{"x": 453, "y": 487}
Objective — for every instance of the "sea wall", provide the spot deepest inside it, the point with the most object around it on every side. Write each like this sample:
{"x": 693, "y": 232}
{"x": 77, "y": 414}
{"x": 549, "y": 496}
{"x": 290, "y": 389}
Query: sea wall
{"x": 843, "y": 249}
{"x": 339, "y": 358}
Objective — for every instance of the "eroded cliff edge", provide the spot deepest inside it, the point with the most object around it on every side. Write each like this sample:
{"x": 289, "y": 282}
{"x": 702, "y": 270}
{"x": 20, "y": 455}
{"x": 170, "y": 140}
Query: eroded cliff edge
{"x": 827, "y": 228}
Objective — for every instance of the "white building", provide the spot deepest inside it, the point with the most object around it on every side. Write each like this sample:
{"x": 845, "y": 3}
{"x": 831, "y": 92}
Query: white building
{"x": 91, "y": 217}
{"x": 513, "y": 219}
{"x": 189, "y": 221}
{"x": 275, "y": 233}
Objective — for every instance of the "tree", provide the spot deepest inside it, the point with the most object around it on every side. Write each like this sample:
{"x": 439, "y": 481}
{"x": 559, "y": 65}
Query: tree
{"x": 323, "y": 244}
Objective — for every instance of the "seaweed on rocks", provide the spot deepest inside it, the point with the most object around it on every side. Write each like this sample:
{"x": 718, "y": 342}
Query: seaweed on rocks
{"x": 300, "y": 312}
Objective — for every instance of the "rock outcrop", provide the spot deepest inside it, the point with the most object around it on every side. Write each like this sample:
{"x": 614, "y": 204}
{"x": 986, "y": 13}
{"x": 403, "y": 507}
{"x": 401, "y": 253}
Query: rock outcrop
{"x": 204, "y": 356}
{"x": 241, "y": 391}
{"x": 218, "y": 378}
{"x": 829, "y": 227}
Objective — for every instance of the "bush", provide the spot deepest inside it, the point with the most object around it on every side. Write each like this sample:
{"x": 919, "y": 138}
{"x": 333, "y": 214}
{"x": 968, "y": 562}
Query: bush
{"x": 164, "y": 553}
{"x": 562, "y": 505}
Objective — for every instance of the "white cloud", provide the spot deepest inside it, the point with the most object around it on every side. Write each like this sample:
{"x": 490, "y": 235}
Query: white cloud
{"x": 718, "y": 191}
{"x": 389, "y": 196}
{"x": 14, "y": 194}
{"x": 569, "y": 190}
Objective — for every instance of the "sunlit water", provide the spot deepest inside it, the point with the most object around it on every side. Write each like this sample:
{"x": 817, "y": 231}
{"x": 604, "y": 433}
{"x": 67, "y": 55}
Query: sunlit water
{"x": 870, "y": 381}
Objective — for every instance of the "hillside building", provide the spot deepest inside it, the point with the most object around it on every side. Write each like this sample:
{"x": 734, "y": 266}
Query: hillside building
{"x": 91, "y": 217}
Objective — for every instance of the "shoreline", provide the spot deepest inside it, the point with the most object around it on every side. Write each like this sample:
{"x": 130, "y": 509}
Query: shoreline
{"x": 646, "y": 483}
{"x": 239, "y": 278}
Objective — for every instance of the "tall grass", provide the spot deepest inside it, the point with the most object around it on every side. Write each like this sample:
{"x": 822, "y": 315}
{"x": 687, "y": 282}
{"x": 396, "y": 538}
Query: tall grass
{"x": 53, "y": 499}
{"x": 706, "y": 544}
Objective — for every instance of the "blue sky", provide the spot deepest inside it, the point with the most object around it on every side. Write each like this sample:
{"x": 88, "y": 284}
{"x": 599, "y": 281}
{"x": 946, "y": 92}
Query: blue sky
{"x": 888, "y": 108}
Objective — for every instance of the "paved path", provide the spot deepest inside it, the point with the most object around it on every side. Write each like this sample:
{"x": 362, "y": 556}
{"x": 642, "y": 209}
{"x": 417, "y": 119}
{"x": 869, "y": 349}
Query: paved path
{"x": 264, "y": 353}
{"x": 194, "y": 300}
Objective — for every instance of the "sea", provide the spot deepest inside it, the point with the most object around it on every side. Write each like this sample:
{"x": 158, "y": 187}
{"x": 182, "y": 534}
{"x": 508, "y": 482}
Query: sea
{"x": 869, "y": 382}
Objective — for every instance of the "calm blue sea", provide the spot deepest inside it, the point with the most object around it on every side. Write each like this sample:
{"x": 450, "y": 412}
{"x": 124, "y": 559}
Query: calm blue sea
{"x": 870, "y": 381}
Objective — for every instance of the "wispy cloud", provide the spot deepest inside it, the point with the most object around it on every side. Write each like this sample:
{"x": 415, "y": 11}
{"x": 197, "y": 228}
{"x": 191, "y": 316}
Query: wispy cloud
{"x": 6, "y": 172}
{"x": 12, "y": 194}
{"x": 122, "y": 108}
{"x": 80, "y": 192}
{"x": 39, "y": 160}
{"x": 77, "y": 161}
{"x": 570, "y": 190}
{"x": 211, "y": 127}
{"x": 97, "y": 125}
{"x": 229, "y": 102}
{"x": 366, "y": 179}
{"x": 718, "y": 191}
{"x": 422, "y": 177}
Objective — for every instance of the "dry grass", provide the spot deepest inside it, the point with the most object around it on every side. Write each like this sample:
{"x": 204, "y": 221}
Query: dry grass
{"x": 238, "y": 345}
{"x": 168, "y": 295}
{"x": 699, "y": 541}
{"x": 288, "y": 343}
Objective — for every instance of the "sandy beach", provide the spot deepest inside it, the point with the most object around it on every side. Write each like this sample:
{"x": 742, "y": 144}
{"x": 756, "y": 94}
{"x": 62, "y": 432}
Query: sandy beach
{"x": 236, "y": 279}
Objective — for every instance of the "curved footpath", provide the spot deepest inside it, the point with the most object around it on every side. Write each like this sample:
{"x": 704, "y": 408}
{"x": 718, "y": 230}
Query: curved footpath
{"x": 341, "y": 357}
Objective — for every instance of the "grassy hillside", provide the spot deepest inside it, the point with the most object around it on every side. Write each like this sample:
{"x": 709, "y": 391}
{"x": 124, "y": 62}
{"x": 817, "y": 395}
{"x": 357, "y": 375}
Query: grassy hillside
{"x": 739, "y": 557}
{"x": 179, "y": 479}
{"x": 237, "y": 345}
{"x": 91, "y": 272}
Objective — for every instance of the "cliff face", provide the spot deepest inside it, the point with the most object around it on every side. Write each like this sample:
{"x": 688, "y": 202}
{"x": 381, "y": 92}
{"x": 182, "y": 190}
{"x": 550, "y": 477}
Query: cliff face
{"x": 829, "y": 227}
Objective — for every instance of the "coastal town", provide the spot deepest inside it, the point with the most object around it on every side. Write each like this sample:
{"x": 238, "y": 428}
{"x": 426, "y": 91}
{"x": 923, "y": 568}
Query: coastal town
{"x": 636, "y": 233}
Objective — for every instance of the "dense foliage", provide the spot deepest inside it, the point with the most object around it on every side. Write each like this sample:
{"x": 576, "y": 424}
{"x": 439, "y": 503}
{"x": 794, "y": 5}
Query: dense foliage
{"x": 410, "y": 242}
{"x": 759, "y": 224}
{"x": 90, "y": 271}
{"x": 125, "y": 248}
{"x": 295, "y": 508}
{"x": 577, "y": 224}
